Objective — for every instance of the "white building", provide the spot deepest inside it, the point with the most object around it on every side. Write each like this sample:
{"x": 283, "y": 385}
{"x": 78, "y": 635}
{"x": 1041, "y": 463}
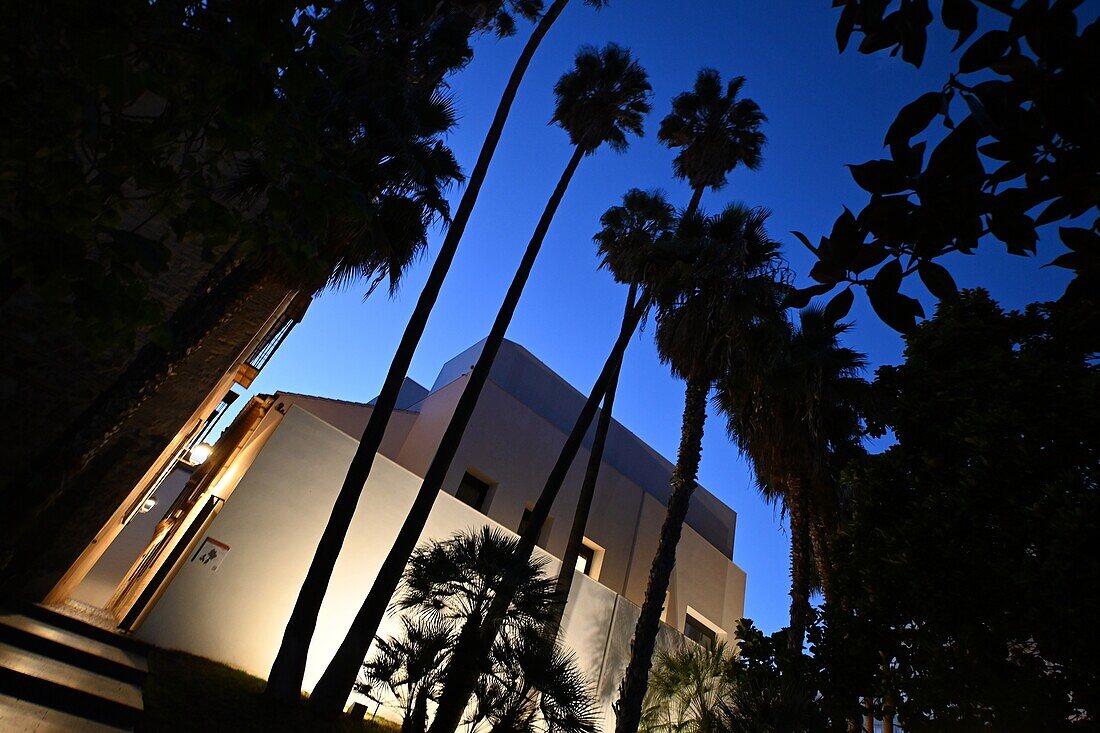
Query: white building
{"x": 261, "y": 501}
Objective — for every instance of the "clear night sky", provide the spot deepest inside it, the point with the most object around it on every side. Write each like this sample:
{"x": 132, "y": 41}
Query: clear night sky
{"x": 824, "y": 109}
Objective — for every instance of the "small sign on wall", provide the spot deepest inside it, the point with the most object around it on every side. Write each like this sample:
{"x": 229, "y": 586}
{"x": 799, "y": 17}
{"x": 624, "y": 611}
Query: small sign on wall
{"x": 211, "y": 553}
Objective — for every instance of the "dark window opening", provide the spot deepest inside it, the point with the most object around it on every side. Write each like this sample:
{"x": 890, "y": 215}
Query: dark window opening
{"x": 585, "y": 558}
{"x": 472, "y": 491}
{"x": 526, "y": 520}
{"x": 699, "y": 632}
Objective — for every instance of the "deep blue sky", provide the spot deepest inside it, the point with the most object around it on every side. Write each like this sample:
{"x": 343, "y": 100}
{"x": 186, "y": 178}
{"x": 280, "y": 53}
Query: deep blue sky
{"x": 824, "y": 110}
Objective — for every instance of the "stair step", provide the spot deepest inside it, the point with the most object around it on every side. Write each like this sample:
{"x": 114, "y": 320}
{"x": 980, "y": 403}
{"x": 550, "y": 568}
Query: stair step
{"x": 27, "y": 717}
{"x": 39, "y": 679}
{"x": 76, "y": 649}
{"x": 75, "y": 625}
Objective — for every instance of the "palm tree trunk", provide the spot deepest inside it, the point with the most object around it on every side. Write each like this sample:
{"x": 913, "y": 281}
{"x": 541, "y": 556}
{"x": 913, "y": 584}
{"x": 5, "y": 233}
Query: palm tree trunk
{"x": 633, "y": 688}
{"x": 461, "y": 674}
{"x": 822, "y": 521}
{"x": 696, "y": 197}
{"x": 285, "y": 679}
{"x": 588, "y": 490}
{"x": 800, "y": 563}
{"x": 335, "y": 685}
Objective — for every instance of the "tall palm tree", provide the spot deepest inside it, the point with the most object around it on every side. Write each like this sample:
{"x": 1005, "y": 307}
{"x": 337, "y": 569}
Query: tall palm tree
{"x": 628, "y": 245}
{"x": 734, "y": 282}
{"x": 717, "y": 132}
{"x": 288, "y": 669}
{"x": 714, "y": 131}
{"x": 794, "y": 413}
{"x": 602, "y": 100}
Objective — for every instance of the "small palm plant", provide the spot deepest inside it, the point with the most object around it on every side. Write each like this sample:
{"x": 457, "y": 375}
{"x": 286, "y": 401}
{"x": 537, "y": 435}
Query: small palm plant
{"x": 407, "y": 669}
{"x": 526, "y": 684}
{"x": 535, "y": 686}
{"x": 686, "y": 689}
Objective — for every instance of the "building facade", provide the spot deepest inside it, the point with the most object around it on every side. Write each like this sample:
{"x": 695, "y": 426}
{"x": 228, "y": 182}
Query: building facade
{"x": 260, "y": 503}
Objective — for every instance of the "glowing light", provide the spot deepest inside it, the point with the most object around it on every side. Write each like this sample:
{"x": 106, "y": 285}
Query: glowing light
{"x": 200, "y": 453}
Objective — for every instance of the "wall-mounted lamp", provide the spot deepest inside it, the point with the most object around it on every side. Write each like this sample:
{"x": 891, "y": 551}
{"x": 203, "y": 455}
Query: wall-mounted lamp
{"x": 199, "y": 453}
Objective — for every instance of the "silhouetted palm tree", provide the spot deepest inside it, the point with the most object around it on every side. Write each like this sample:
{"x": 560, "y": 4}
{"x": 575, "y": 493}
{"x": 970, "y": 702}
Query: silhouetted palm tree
{"x": 629, "y": 245}
{"x": 405, "y": 669}
{"x": 285, "y": 677}
{"x": 792, "y": 409}
{"x": 715, "y": 132}
{"x": 686, "y": 689}
{"x": 735, "y": 280}
{"x": 603, "y": 100}
{"x": 535, "y": 686}
{"x": 446, "y": 590}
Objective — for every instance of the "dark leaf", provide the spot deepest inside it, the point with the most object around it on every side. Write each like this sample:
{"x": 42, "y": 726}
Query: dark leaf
{"x": 938, "y": 280}
{"x": 888, "y": 279}
{"x": 800, "y": 298}
{"x": 839, "y": 305}
{"x": 1068, "y": 260}
{"x": 805, "y": 240}
{"x": 985, "y": 51}
{"x": 845, "y": 25}
{"x": 914, "y": 118}
{"x": 961, "y": 16}
{"x": 1078, "y": 239}
{"x": 895, "y": 310}
{"x": 1055, "y": 211}
{"x": 978, "y": 110}
{"x": 879, "y": 176}
{"x": 826, "y": 272}
{"x": 869, "y": 256}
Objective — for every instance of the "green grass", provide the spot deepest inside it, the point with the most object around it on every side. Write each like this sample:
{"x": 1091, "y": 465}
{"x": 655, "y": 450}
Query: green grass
{"x": 188, "y": 693}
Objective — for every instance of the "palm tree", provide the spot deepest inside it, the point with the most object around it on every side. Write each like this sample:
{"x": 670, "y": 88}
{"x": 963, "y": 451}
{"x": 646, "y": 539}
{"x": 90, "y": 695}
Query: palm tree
{"x": 686, "y": 689}
{"x": 733, "y": 283}
{"x": 528, "y": 683}
{"x": 535, "y": 685}
{"x": 794, "y": 413}
{"x": 603, "y": 100}
{"x": 715, "y": 132}
{"x": 628, "y": 246}
{"x": 407, "y": 669}
{"x": 285, "y": 677}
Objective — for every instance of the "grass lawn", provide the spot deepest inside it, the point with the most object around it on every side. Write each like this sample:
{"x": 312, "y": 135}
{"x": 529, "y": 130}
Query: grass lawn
{"x": 189, "y": 693}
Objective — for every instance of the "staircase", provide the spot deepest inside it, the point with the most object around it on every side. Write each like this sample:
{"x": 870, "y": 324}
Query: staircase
{"x": 58, "y": 673}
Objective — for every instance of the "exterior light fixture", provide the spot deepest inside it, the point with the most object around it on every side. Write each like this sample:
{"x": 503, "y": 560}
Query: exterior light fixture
{"x": 199, "y": 453}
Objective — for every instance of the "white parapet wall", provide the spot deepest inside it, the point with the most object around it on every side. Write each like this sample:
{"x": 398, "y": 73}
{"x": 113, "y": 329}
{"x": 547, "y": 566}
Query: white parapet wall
{"x": 271, "y": 524}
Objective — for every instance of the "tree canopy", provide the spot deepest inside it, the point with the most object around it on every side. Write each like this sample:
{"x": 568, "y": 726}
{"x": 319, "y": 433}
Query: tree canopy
{"x": 1020, "y": 150}
{"x": 968, "y": 555}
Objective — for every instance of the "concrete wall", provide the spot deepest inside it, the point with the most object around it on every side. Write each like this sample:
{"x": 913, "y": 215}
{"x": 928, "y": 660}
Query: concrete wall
{"x": 625, "y": 519}
{"x": 539, "y": 389}
{"x": 276, "y": 512}
{"x": 100, "y": 583}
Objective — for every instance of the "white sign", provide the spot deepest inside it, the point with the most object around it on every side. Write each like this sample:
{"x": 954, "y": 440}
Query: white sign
{"x": 211, "y": 553}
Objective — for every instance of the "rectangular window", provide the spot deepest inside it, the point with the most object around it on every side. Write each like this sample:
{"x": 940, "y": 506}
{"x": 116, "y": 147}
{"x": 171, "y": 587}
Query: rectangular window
{"x": 585, "y": 558}
{"x": 472, "y": 491}
{"x": 526, "y": 520}
{"x": 699, "y": 632}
